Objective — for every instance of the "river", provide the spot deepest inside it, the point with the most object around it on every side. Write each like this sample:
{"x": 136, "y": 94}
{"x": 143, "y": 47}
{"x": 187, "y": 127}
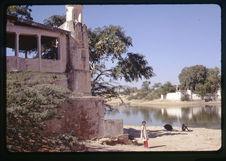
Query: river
{"x": 206, "y": 116}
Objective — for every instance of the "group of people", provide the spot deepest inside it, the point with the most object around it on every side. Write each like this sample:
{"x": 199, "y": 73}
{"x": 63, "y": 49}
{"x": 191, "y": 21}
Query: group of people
{"x": 144, "y": 132}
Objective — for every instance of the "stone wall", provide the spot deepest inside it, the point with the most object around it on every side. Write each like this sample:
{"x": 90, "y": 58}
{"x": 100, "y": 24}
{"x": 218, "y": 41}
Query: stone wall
{"x": 79, "y": 81}
{"x": 83, "y": 115}
{"x": 113, "y": 128}
{"x": 21, "y": 64}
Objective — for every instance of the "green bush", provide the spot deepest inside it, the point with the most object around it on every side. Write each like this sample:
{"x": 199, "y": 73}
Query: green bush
{"x": 185, "y": 98}
{"x": 29, "y": 103}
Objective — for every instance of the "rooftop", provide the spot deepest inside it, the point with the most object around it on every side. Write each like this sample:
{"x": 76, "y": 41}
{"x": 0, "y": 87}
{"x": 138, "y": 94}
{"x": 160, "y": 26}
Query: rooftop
{"x": 25, "y": 22}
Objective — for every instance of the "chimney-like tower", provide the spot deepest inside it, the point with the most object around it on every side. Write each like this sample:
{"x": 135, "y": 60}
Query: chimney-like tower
{"x": 74, "y": 13}
{"x": 78, "y": 56}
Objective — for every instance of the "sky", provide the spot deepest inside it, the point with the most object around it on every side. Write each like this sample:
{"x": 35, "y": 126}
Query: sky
{"x": 170, "y": 37}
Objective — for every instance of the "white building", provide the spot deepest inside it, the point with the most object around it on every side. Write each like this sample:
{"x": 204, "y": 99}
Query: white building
{"x": 179, "y": 94}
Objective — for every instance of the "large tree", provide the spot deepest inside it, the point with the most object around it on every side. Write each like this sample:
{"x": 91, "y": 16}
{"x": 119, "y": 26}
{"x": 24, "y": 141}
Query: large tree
{"x": 109, "y": 44}
{"x": 211, "y": 83}
{"x": 200, "y": 80}
{"x": 191, "y": 76}
{"x": 22, "y": 11}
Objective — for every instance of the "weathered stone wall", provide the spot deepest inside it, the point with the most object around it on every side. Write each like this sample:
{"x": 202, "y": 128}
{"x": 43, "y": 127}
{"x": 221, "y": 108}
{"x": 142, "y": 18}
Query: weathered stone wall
{"x": 83, "y": 115}
{"x": 113, "y": 128}
{"x": 21, "y": 64}
{"x": 79, "y": 81}
{"x": 78, "y": 74}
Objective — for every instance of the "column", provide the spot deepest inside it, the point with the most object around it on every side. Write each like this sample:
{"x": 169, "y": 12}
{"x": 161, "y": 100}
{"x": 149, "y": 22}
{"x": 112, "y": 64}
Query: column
{"x": 58, "y": 49}
{"x": 17, "y": 44}
{"x": 17, "y": 49}
{"x": 39, "y": 45}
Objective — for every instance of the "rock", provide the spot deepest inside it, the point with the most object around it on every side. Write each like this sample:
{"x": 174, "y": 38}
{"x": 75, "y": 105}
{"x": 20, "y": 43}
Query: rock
{"x": 123, "y": 139}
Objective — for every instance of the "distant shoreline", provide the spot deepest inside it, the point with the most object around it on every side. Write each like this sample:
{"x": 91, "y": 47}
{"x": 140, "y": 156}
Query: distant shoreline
{"x": 162, "y": 103}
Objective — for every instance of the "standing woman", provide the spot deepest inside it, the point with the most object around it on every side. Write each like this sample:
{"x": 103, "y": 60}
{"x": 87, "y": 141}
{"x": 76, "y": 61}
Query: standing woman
{"x": 143, "y": 134}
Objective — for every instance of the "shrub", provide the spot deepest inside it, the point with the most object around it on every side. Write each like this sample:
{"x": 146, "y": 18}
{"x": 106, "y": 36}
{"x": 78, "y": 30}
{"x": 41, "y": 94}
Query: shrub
{"x": 29, "y": 103}
{"x": 185, "y": 98}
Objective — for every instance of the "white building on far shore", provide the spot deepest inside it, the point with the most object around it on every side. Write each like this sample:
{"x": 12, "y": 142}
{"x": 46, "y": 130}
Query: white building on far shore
{"x": 176, "y": 96}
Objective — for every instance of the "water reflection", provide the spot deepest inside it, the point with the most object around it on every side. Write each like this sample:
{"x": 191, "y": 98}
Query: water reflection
{"x": 207, "y": 116}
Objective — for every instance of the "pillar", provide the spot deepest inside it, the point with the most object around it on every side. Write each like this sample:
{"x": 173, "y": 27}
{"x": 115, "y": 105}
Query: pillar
{"x": 58, "y": 48}
{"x": 17, "y": 49}
{"x": 17, "y": 44}
{"x": 39, "y": 45}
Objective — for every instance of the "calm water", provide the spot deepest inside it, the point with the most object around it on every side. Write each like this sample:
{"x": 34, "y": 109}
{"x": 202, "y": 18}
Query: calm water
{"x": 208, "y": 116}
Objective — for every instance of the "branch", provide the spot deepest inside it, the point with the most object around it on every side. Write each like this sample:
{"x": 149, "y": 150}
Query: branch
{"x": 101, "y": 73}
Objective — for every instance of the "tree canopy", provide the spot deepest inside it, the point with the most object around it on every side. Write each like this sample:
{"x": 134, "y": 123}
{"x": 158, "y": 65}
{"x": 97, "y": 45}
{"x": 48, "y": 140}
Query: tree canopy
{"x": 191, "y": 76}
{"x": 22, "y": 11}
{"x": 110, "y": 44}
{"x": 200, "y": 79}
{"x": 55, "y": 20}
{"x": 167, "y": 88}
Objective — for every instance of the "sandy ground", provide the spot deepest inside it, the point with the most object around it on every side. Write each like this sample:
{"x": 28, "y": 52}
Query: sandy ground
{"x": 200, "y": 139}
{"x": 158, "y": 103}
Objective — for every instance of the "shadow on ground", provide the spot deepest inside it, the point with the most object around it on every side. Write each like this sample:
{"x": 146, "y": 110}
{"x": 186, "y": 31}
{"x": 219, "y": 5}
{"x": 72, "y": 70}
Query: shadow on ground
{"x": 153, "y": 133}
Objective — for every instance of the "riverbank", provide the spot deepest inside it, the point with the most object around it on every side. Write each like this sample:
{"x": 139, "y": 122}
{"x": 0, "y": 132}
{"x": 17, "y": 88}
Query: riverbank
{"x": 200, "y": 139}
{"x": 158, "y": 103}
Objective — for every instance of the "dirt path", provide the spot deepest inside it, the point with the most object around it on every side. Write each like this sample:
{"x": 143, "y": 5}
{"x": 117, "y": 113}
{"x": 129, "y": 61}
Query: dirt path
{"x": 200, "y": 139}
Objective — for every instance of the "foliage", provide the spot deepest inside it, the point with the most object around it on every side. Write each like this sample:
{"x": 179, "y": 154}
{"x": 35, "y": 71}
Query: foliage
{"x": 22, "y": 11}
{"x": 49, "y": 48}
{"x": 154, "y": 92}
{"x": 200, "y": 80}
{"x": 30, "y": 101}
{"x": 109, "y": 44}
{"x": 185, "y": 98}
{"x": 55, "y": 20}
{"x": 191, "y": 76}
{"x": 145, "y": 85}
{"x": 167, "y": 88}
{"x": 129, "y": 90}
{"x": 132, "y": 67}
{"x": 201, "y": 89}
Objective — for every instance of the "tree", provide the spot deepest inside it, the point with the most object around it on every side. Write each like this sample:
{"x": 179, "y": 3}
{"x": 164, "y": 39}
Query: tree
{"x": 145, "y": 85}
{"x": 156, "y": 86}
{"x": 213, "y": 79}
{"x": 55, "y": 20}
{"x": 110, "y": 44}
{"x": 201, "y": 89}
{"x": 200, "y": 80}
{"x": 211, "y": 83}
{"x": 22, "y": 11}
{"x": 167, "y": 88}
{"x": 191, "y": 76}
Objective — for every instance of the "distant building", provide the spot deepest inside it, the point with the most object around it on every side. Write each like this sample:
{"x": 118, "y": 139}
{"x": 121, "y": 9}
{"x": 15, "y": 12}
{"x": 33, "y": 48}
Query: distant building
{"x": 192, "y": 96}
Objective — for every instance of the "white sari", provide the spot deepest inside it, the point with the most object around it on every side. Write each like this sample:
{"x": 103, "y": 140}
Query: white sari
{"x": 143, "y": 133}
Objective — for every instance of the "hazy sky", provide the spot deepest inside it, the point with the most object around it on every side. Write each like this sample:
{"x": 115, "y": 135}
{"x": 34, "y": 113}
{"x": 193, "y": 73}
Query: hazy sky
{"x": 170, "y": 36}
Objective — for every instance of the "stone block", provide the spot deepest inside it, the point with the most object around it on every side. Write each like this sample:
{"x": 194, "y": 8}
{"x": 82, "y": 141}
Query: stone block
{"x": 77, "y": 116}
{"x": 113, "y": 128}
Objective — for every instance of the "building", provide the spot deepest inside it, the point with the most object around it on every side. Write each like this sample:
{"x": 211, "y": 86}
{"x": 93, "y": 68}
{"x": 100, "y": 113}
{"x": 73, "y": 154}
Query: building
{"x": 180, "y": 94}
{"x": 32, "y": 46}
{"x": 39, "y": 47}
{"x": 192, "y": 96}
